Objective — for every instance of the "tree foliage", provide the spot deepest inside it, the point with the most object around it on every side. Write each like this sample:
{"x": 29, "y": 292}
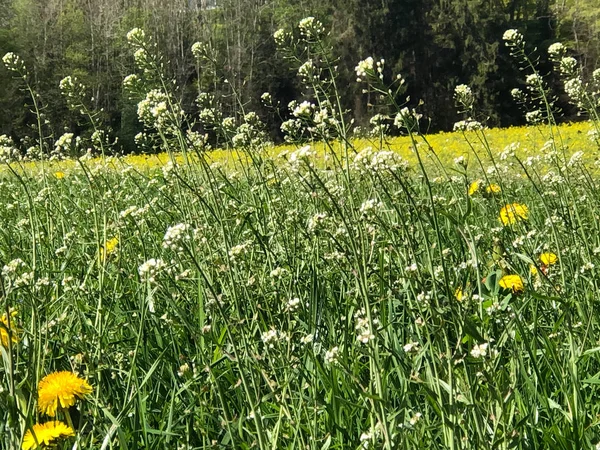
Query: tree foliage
{"x": 434, "y": 44}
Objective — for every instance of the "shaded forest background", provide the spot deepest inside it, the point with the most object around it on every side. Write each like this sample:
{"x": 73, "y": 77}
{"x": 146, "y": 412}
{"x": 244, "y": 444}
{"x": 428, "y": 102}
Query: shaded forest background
{"x": 434, "y": 44}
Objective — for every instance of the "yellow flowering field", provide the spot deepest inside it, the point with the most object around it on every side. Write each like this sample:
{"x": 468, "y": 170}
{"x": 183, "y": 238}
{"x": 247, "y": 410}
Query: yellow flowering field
{"x": 573, "y": 137}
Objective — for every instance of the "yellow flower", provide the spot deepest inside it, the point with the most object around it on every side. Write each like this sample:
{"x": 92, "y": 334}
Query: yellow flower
{"x": 59, "y": 175}
{"x": 46, "y": 434}
{"x": 108, "y": 248}
{"x": 458, "y": 294}
{"x": 59, "y": 390}
{"x": 5, "y": 324}
{"x": 512, "y": 282}
{"x": 533, "y": 270}
{"x": 493, "y": 189}
{"x": 474, "y": 187}
{"x": 548, "y": 259}
{"x": 513, "y": 212}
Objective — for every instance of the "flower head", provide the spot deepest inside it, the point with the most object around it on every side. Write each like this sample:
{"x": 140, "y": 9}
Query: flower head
{"x": 60, "y": 390}
{"x": 512, "y": 282}
{"x": 109, "y": 247}
{"x": 46, "y": 434}
{"x": 547, "y": 259}
{"x": 8, "y": 332}
{"x": 493, "y": 189}
{"x": 513, "y": 212}
{"x": 474, "y": 187}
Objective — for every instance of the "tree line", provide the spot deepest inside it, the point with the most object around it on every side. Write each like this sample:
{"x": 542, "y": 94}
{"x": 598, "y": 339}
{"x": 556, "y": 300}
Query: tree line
{"x": 434, "y": 44}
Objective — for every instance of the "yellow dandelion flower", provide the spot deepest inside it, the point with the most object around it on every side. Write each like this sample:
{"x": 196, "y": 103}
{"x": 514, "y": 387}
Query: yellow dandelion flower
{"x": 59, "y": 175}
{"x": 492, "y": 188}
{"x": 474, "y": 187}
{"x": 7, "y": 323}
{"x": 513, "y": 212}
{"x": 512, "y": 282}
{"x": 60, "y": 390}
{"x": 458, "y": 294}
{"x": 108, "y": 248}
{"x": 533, "y": 270}
{"x": 548, "y": 259}
{"x": 46, "y": 434}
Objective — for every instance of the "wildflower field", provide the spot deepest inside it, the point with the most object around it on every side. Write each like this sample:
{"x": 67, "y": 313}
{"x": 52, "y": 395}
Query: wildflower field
{"x": 377, "y": 293}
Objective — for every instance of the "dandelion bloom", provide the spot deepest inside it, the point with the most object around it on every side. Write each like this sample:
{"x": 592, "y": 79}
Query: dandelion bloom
{"x": 458, "y": 294}
{"x": 6, "y": 324}
{"x": 59, "y": 175}
{"x": 512, "y": 282}
{"x": 60, "y": 389}
{"x": 108, "y": 248}
{"x": 474, "y": 187}
{"x": 533, "y": 270}
{"x": 547, "y": 259}
{"x": 513, "y": 212}
{"x": 46, "y": 434}
{"x": 493, "y": 189}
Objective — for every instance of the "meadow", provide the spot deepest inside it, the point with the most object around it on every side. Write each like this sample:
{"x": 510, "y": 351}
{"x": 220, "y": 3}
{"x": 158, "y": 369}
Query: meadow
{"x": 414, "y": 292}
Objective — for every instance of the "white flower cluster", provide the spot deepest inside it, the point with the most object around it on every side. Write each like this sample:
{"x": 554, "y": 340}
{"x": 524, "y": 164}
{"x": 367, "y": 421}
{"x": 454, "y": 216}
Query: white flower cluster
{"x": 266, "y": 98}
{"x": 238, "y": 251}
{"x": 368, "y": 160}
{"x": 302, "y": 154}
{"x": 575, "y": 89}
{"x": 411, "y": 347}
{"x": 280, "y": 37}
{"x": 64, "y": 142}
{"x": 533, "y": 80}
{"x": 311, "y": 28}
{"x": 154, "y": 112}
{"x": 534, "y": 117}
{"x": 513, "y": 38}
{"x": 307, "y": 71}
{"x": 136, "y": 36}
{"x": 468, "y": 125}
{"x": 482, "y": 350}
{"x": 175, "y": 237}
{"x": 273, "y": 337}
{"x": 332, "y": 355}
{"x": 518, "y": 95}
{"x": 556, "y": 51}
{"x": 407, "y": 118}
{"x": 149, "y": 270}
{"x": 369, "y": 208}
{"x": 463, "y": 94}
{"x": 14, "y": 63}
{"x": 200, "y": 50}
{"x": 12, "y": 268}
{"x": 249, "y": 136}
{"x": 292, "y": 304}
{"x": 8, "y": 152}
{"x": 364, "y": 333}
{"x": 131, "y": 83}
{"x": 316, "y": 221}
{"x": 596, "y": 76}
{"x": 304, "y": 110}
{"x": 291, "y": 129}
{"x": 367, "y": 67}
{"x": 568, "y": 66}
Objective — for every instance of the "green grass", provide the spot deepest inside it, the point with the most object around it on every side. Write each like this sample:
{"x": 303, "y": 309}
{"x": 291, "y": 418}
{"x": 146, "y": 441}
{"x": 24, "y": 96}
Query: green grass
{"x": 215, "y": 352}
